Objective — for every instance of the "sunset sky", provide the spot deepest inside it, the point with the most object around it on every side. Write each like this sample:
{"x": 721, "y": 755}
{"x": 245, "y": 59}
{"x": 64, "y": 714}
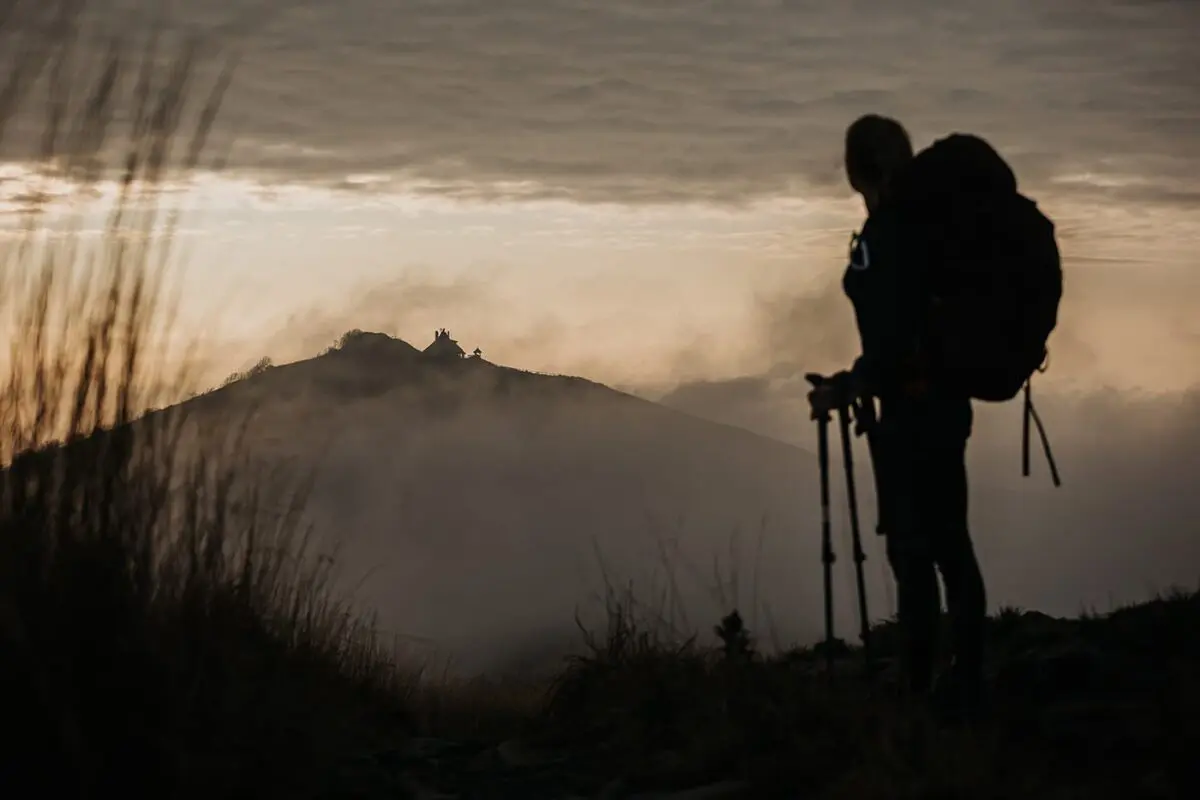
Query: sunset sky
{"x": 649, "y": 191}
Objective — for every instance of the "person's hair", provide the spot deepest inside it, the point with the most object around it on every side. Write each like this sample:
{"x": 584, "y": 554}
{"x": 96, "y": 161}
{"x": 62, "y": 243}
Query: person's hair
{"x": 876, "y": 147}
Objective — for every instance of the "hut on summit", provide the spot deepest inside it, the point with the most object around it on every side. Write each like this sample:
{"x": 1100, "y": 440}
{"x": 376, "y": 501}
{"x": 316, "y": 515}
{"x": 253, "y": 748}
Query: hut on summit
{"x": 443, "y": 347}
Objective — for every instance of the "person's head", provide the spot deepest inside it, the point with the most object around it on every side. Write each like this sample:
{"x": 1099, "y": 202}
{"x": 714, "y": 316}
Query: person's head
{"x": 876, "y": 147}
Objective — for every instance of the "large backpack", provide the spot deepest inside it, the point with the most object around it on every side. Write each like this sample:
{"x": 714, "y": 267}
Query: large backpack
{"x": 994, "y": 276}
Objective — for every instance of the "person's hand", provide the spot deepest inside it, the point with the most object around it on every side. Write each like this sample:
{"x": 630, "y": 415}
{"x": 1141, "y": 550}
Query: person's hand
{"x": 825, "y": 398}
{"x": 832, "y": 393}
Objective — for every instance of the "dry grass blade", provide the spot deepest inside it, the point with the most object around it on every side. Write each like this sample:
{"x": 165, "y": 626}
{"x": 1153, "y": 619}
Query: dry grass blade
{"x": 163, "y": 627}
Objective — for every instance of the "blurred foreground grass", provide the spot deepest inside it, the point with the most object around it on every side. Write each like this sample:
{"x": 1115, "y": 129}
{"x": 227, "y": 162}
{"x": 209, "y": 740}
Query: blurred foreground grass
{"x": 159, "y": 633}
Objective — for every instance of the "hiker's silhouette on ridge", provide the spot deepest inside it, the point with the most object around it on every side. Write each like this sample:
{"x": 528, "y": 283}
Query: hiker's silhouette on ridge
{"x": 955, "y": 281}
{"x": 923, "y": 425}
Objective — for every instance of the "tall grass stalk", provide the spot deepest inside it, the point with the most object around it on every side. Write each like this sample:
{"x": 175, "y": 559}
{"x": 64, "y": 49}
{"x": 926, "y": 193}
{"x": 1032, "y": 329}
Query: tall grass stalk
{"x": 163, "y": 628}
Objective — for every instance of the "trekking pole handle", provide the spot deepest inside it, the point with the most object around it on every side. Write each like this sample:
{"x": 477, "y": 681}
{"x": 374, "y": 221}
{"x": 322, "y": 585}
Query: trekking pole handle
{"x": 839, "y": 379}
{"x": 838, "y": 385}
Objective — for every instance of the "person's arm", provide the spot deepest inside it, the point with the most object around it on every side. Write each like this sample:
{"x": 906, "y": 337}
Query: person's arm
{"x": 891, "y": 310}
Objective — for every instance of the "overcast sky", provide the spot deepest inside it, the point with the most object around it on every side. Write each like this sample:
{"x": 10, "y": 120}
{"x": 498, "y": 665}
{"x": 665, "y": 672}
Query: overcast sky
{"x": 650, "y": 190}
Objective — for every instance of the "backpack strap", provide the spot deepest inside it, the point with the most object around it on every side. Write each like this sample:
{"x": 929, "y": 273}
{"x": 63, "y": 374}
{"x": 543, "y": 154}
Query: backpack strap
{"x": 1031, "y": 413}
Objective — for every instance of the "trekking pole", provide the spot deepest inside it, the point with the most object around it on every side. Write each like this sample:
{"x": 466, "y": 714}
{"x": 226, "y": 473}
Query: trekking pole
{"x": 827, "y": 555}
{"x": 864, "y": 627}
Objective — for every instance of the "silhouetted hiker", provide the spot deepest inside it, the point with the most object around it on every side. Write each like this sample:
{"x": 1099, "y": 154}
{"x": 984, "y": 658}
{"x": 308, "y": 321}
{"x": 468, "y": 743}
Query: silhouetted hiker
{"x": 955, "y": 280}
{"x": 923, "y": 427}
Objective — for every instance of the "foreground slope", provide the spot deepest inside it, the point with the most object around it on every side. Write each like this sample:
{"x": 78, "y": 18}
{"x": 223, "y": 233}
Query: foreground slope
{"x": 1096, "y": 707}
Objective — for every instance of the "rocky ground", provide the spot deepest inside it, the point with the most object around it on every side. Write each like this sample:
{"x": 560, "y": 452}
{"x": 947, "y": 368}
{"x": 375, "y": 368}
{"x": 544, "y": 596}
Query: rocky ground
{"x": 1101, "y": 706}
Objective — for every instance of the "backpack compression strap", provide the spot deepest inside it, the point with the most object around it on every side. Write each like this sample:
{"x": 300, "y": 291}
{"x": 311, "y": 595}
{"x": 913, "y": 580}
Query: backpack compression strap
{"x": 1031, "y": 413}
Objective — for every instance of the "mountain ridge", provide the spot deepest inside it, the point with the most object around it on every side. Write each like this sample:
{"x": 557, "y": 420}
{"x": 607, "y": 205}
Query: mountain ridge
{"x": 362, "y": 347}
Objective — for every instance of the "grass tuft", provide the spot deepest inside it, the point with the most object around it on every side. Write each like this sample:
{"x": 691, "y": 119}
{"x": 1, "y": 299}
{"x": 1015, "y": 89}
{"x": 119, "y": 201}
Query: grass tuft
{"x": 164, "y": 627}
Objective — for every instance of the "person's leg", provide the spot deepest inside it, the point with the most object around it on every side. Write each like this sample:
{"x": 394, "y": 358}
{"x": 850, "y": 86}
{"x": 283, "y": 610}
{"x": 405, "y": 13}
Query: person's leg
{"x": 918, "y": 609}
{"x": 909, "y": 551}
{"x": 954, "y": 553}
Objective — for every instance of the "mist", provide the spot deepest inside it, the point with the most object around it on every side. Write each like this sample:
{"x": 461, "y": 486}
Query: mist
{"x": 476, "y": 511}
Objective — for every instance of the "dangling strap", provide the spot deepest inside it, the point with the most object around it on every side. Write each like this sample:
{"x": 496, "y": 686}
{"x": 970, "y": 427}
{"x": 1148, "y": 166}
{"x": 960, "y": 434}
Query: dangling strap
{"x": 1025, "y": 416}
{"x": 1031, "y": 413}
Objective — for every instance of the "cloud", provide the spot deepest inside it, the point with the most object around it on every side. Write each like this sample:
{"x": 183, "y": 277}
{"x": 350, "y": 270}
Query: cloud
{"x": 398, "y": 304}
{"x": 808, "y": 330}
{"x": 633, "y": 101}
{"x": 481, "y": 308}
